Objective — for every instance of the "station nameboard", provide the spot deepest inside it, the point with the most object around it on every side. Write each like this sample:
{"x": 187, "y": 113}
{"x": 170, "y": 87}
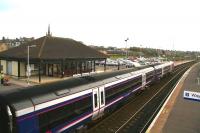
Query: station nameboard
{"x": 192, "y": 95}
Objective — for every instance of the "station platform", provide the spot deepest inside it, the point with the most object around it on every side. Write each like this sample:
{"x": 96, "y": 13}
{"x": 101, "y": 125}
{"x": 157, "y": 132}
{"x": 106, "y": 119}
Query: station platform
{"x": 176, "y": 63}
{"x": 178, "y": 114}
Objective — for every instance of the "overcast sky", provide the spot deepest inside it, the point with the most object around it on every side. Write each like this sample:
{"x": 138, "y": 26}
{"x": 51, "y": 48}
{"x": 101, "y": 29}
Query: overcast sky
{"x": 149, "y": 23}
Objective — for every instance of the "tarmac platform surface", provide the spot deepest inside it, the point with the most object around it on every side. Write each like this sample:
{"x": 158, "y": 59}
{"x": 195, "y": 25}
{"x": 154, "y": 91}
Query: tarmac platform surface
{"x": 179, "y": 115}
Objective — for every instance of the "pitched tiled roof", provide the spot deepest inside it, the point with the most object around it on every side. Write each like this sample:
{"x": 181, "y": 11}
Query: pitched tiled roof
{"x": 49, "y": 47}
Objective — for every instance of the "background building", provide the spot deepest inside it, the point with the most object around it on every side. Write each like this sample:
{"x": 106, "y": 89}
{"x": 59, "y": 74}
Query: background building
{"x": 50, "y": 56}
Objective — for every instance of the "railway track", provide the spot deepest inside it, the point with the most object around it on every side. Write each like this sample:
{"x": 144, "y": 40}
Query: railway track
{"x": 139, "y": 112}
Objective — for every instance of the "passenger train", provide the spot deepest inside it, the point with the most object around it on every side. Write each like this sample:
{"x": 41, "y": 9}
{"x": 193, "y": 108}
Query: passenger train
{"x": 67, "y": 105}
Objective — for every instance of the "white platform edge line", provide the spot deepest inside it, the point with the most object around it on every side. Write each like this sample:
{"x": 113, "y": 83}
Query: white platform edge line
{"x": 155, "y": 119}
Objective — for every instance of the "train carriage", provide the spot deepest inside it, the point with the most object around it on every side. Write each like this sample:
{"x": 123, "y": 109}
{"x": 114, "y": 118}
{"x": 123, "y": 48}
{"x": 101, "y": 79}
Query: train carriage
{"x": 162, "y": 69}
{"x": 63, "y": 106}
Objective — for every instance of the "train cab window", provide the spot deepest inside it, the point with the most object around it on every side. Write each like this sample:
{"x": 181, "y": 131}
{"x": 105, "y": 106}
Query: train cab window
{"x": 102, "y": 99}
{"x": 95, "y": 100}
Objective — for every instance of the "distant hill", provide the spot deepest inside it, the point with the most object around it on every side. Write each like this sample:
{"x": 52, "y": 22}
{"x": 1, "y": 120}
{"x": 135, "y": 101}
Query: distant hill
{"x": 134, "y": 52}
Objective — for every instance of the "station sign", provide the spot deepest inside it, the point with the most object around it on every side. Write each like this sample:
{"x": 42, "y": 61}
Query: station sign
{"x": 191, "y": 95}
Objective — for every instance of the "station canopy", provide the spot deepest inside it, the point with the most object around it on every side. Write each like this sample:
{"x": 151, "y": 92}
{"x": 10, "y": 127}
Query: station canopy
{"x": 53, "y": 48}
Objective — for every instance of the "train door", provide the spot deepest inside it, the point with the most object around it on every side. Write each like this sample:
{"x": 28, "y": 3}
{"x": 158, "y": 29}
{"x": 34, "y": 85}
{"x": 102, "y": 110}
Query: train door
{"x": 101, "y": 100}
{"x": 95, "y": 99}
{"x": 98, "y": 102}
{"x": 143, "y": 80}
{"x": 154, "y": 73}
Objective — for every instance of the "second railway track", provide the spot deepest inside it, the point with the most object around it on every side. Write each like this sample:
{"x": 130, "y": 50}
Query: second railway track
{"x": 138, "y": 113}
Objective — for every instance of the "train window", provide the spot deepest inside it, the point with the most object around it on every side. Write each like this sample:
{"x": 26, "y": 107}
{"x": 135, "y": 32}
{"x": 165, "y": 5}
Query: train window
{"x": 95, "y": 100}
{"x": 64, "y": 114}
{"x": 43, "y": 122}
{"x": 166, "y": 69}
{"x": 102, "y": 99}
{"x": 122, "y": 88}
{"x": 158, "y": 71}
{"x": 149, "y": 75}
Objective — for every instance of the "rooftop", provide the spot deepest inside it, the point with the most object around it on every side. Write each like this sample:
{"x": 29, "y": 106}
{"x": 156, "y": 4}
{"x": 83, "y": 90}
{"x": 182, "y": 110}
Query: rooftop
{"x": 50, "y": 47}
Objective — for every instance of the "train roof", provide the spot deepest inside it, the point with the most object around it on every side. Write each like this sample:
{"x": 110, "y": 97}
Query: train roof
{"x": 164, "y": 64}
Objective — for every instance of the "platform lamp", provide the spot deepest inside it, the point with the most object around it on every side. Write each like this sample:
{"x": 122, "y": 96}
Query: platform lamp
{"x": 126, "y": 48}
{"x": 28, "y": 64}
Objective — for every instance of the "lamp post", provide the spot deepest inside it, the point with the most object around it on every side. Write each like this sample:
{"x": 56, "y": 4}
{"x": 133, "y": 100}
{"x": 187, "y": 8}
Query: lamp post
{"x": 28, "y": 64}
{"x": 126, "y": 48}
{"x": 140, "y": 51}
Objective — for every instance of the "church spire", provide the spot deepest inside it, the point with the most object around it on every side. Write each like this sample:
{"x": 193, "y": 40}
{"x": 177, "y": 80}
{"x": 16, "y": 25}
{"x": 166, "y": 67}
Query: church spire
{"x": 49, "y": 31}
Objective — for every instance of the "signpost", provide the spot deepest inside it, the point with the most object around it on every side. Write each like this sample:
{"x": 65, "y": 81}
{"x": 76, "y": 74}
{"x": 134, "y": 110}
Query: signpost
{"x": 28, "y": 72}
{"x": 195, "y": 96}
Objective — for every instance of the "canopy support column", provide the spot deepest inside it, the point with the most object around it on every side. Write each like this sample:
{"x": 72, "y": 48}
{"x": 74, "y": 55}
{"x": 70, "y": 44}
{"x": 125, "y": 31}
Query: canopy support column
{"x": 18, "y": 69}
{"x": 63, "y": 68}
{"x": 105, "y": 65}
{"x": 94, "y": 66}
{"x": 39, "y": 69}
{"x": 80, "y": 67}
{"x": 76, "y": 67}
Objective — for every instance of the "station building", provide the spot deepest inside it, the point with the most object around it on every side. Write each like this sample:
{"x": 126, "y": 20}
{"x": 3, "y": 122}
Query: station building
{"x": 50, "y": 56}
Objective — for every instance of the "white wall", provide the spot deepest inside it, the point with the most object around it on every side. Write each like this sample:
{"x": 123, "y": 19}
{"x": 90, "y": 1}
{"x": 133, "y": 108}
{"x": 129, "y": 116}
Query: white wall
{"x": 22, "y": 69}
{"x": 14, "y": 68}
{"x": 3, "y": 63}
